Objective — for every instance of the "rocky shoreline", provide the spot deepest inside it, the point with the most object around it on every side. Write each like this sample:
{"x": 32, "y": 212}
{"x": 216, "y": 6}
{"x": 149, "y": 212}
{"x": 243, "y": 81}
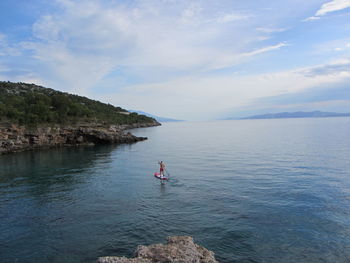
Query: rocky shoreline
{"x": 14, "y": 138}
{"x": 179, "y": 249}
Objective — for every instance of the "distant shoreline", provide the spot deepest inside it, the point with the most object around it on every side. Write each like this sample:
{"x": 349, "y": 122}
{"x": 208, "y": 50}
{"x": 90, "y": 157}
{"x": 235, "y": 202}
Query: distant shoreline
{"x": 297, "y": 115}
{"x": 286, "y": 118}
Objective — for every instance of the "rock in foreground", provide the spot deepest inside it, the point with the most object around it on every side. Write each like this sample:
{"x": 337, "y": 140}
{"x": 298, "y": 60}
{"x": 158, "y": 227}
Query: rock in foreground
{"x": 179, "y": 249}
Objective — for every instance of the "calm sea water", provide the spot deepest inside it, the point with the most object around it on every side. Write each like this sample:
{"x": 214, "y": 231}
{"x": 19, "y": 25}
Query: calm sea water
{"x": 250, "y": 190}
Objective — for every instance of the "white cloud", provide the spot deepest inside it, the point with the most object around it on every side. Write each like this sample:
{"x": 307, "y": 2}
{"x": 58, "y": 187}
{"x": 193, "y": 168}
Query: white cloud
{"x": 332, "y": 6}
{"x": 265, "y": 49}
{"x": 311, "y": 18}
{"x": 340, "y": 67}
{"x": 6, "y": 49}
{"x": 227, "y": 18}
{"x": 223, "y": 60}
{"x": 268, "y": 30}
{"x": 89, "y": 39}
{"x": 213, "y": 95}
{"x": 328, "y": 47}
{"x": 190, "y": 14}
{"x": 181, "y": 51}
{"x": 26, "y": 77}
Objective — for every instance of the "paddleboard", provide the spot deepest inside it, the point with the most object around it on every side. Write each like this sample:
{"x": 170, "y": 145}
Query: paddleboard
{"x": 157, "y": 175}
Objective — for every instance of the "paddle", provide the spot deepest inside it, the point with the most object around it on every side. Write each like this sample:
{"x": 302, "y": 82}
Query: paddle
{"x": 167, "y": 173}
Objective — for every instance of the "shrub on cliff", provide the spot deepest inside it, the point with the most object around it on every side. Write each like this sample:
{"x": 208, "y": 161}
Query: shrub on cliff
{"x": 29, "y": 104}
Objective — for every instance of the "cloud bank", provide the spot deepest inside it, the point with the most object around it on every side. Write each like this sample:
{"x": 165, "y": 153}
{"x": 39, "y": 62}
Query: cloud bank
{"x": 195, "y": 59}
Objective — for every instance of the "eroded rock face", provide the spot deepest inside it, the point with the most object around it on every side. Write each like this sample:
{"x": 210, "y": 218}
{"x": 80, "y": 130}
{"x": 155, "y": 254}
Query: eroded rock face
{"x": 17, "y": 138}
{"x": 179, "y": 249}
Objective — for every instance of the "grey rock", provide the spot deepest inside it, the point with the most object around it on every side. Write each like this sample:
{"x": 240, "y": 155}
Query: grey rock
{"x": 15, "y": 138}
{"x": 179, "y": 249}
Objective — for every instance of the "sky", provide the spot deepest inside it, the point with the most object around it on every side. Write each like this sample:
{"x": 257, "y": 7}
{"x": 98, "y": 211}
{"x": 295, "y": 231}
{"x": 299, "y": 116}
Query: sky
{"x": 184, "y": 59}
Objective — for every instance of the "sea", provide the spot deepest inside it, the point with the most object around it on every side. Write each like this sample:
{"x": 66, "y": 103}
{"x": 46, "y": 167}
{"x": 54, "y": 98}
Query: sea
{"x": 274, "y": 190}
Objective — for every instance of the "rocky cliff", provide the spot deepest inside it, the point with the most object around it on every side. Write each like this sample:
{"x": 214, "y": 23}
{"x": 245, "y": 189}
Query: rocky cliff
{"x": 14, "y": 138}
{"x": 179, "y": 249}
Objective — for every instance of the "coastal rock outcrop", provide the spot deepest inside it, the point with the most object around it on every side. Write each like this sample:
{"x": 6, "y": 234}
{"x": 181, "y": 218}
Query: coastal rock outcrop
{"x": 15, "y": 138}
{"x": 179, "y": 249}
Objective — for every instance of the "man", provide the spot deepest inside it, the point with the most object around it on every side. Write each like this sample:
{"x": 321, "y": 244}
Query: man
{"x": 161, "y": 169}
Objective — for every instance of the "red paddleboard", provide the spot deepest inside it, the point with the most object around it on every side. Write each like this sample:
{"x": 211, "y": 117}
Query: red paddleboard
{"x": 157, "y": 175}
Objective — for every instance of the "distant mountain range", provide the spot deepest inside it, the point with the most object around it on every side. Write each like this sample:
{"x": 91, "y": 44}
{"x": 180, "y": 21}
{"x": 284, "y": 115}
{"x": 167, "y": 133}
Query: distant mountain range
{"x": 298, "y": 114}
{"x": 158, "y": 118}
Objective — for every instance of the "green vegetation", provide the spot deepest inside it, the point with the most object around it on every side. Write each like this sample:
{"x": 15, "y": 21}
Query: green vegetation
{"x": 30, "y": 105}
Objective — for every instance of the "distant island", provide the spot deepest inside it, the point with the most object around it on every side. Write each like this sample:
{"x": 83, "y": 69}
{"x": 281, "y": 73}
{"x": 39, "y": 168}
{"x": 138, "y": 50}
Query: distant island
{"x": 33, "y": 116}
{"x": 298, "y": 114}
{"x": 158, "y": 118}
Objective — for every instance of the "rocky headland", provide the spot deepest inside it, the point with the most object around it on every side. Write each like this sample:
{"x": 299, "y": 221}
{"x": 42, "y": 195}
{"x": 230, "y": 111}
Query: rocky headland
{"x": 15, "y": 138}
{"x": 179, "y": 249}
{"x": 33, "y": 116}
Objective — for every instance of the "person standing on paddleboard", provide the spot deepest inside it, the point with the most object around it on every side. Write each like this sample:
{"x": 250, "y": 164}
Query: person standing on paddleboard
{"x": 161, "y": 169}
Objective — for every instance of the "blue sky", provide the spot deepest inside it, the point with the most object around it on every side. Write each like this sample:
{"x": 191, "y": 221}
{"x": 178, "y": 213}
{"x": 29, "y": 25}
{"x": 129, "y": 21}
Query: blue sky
{"x": 193, "y": 60}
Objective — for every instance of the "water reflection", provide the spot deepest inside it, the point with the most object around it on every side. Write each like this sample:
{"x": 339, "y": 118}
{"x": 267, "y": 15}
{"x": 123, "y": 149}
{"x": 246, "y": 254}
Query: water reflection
{"x": 39, "y": 191}
{"x": 47, "y": 167}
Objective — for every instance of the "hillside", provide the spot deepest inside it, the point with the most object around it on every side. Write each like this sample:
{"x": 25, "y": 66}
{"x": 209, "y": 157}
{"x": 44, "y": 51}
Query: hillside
{"x": 298, "y": 114}
{"x": 30, "y": 105}
{"x": 158, "y": 118}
